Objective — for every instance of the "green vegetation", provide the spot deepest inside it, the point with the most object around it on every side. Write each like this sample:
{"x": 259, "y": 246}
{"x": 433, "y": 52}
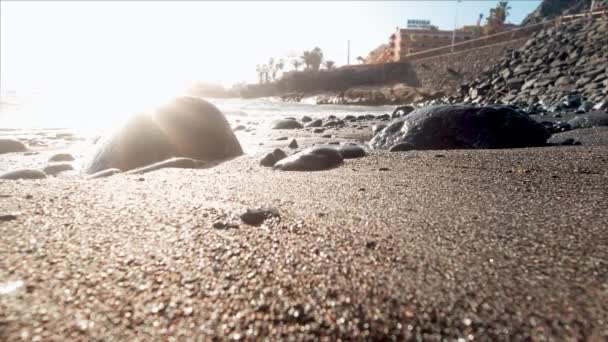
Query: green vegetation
{"x": 498, "y": 17}
{"x": 312, "y": 60}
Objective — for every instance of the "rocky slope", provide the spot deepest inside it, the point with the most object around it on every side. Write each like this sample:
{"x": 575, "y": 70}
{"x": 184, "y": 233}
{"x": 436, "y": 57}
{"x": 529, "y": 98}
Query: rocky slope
{"x": 563, "y": 68}
{"x": 549, "y": 9}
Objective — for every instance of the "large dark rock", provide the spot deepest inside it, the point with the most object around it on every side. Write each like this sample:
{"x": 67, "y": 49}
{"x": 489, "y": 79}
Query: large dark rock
{"x": 458, "y": 126}
{"x": 186, "y": 127}
{"x": 311, "y": 159}
{"x": 11, "y": 145}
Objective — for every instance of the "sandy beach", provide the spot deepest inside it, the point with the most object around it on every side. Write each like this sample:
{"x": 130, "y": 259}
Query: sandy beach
{"x": 471, "y": 244}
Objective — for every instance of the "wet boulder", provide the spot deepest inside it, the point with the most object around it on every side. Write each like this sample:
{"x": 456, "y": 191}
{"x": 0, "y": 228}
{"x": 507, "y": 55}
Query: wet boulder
{"x": 462, "y": 127}
{"x": 186, "y": 127}
{"x": 315, "y": 123}
{"x": 311, "y": 159}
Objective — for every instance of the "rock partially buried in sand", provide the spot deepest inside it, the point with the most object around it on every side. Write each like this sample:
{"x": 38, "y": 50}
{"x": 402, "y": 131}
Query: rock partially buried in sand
{"x": 286, "y": 124}
{"x": 311, "y": 159}
{"x": 61, "y": 157}
{"x": 592, "y": 119}
{"x": 55, "y": 169}
{"x": 402, "y": 111}
{"x": 271, "y": 158}
{"x": 459, "y": 126}
{"x": 314, "y": 123}
{"x": 352, "y": 151}
{"x": 186, "y": 127}
{"x": 24, "y": 174}
{"x": 256, "y": 217}
{"x": 104, "y": 173}
{"x": 179, "y": 163}
{"x": 11, "y": 145}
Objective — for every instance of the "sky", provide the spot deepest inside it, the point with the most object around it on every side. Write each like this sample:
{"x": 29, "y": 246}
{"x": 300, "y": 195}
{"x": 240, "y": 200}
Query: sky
{"x": 117, "y": 46}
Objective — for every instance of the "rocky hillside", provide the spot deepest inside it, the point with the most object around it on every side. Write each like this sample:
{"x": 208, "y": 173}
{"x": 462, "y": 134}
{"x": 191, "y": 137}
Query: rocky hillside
{"x": 559, "y": 68}
{"x": 549, "y": 9}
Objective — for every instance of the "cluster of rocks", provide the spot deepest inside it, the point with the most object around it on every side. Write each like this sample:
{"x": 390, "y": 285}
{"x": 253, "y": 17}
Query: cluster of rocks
{"x": 57, "y": 163}
{"x": 559, "y": 69}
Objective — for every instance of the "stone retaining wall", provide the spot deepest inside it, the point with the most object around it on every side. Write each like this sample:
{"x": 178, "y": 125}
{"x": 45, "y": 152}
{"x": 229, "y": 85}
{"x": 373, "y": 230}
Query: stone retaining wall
{"x": 447, "y": 72}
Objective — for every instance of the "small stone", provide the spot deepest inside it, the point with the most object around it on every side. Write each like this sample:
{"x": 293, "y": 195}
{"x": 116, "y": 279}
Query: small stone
{"x": 281, "y": 138}
{"x": 383, "y": 169}
{"x": 7, "y": 217}
{"x": 239, "y": 128}
{"x": 371, "y": 244}
{"x": 318, "y": 130}
{"x": 255, "y": 217}
{"x": 306, "y": 118}
{"x": 293, "y": 144}
{"x": 350, "y": 152}
{"x": 61, "y": 157}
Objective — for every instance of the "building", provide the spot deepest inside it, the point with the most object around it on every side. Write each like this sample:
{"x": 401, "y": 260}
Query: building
{"x": 420, "y": 35}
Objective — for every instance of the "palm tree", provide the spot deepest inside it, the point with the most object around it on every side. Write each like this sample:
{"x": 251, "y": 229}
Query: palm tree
{"x": 502, "y": 11}
{"x": 296, "y": 63}
{"x": 306, "y": 58}
{"x": 316, "y": 58}
{"x": 329, "y": 64}
{"x": 259, "y": 71}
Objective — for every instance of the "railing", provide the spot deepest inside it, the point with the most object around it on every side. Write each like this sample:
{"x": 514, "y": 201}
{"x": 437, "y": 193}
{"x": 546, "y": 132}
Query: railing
{"x": 501, "y": 37}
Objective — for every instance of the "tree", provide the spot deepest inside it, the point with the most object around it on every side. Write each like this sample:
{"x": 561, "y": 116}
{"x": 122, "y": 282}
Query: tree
{"x": 329, "y": 64}
{"x": 296, "y": 63}
{"x": 497, "y": 18}
{"x": 313, "y": 59}
{"x": 260, "y": 72}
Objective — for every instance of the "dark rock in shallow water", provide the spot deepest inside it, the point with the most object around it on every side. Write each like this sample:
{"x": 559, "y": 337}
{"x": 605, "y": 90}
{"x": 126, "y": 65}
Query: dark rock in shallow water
{"x": 311, "y": 159}
{"x": 286, "y": 124}
{"x": 104, "y": 173}
{"x": 186, "y": 127}
{"x": 61, "y": 157}
{"x": 352, "y": 151}
{"x": 271, "y": 158}
{"x": 458, "y": 126}
{"x": 306, "y": 118}
{"x": 255, "y": 217}
{"x": 592, "y": 119}
{"x": 55, "y": 169}
{"x": 179, "y": 163}
{"x": 11, "y": 145}
{"x": 24, "y": 174}
{"x": 314, "y": 123}
{"x": 402, "y": 111}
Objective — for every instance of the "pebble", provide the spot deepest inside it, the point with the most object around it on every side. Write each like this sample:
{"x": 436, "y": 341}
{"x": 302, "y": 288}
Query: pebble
{"x": 255, "y": 217}
{"x": 318, "y": 130}
{"x": 293, "y": 144}
{"x": 311, "y": 159}
{"x": 281, "y": 138}
{"x": 7, "y": 217}
{"x": 306, "y": 118}
{"x": 24, "y": 174}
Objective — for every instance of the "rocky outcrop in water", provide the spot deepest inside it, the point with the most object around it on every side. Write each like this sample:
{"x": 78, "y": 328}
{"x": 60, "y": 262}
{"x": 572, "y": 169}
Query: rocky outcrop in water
{"x": 461, "y": 127}
{"x": 562, "y": 68}
{"x": 187, "y": 127}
